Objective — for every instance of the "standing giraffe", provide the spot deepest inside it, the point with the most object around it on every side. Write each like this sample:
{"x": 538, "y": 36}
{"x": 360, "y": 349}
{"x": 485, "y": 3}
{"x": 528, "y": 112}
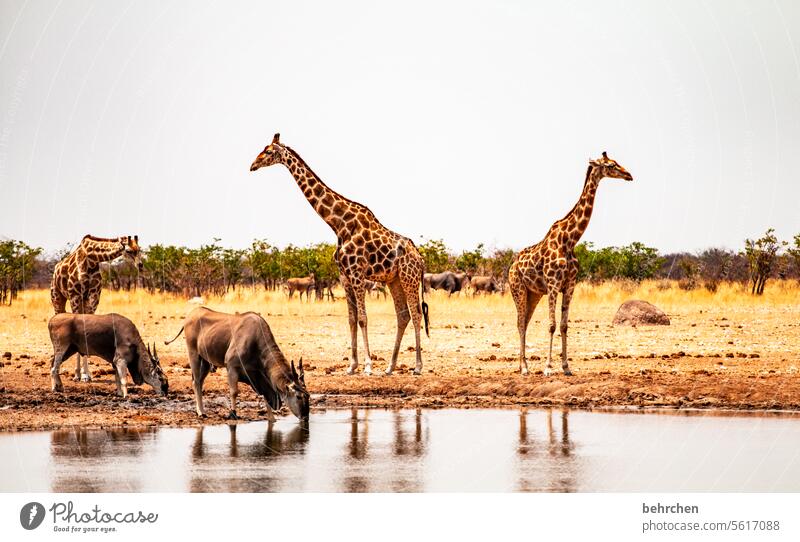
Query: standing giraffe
{"x": 76, "y": 278}
{"x": 550, "y": 266}
{"x": 366, "y": 251}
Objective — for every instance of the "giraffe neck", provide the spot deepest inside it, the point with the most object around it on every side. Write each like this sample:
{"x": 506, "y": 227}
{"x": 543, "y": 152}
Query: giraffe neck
{"x": 331, "y": 206}
{"x": 100, "y": 250}
{"x": 578, "y": 218}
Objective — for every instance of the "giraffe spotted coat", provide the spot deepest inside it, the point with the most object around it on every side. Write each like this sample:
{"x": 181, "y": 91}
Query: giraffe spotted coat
{"x": 550, "y": 267}
{"x": 366, "y": 251}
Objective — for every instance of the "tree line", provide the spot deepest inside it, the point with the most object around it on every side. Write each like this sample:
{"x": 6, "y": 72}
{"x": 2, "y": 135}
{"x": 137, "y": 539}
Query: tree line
{"x": 215, "y": 269}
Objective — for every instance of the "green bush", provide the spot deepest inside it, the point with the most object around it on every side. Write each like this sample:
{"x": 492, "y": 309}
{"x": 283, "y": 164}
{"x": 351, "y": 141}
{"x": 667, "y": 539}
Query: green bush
{"x": 17, "y": 264}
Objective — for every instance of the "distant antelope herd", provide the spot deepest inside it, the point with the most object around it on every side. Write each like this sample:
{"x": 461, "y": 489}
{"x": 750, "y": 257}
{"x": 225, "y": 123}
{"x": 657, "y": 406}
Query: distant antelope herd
{"x": 370, "y": 258}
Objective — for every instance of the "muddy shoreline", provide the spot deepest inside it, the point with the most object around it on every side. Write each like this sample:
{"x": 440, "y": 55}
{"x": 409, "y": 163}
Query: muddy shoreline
{"x": 27, "y": 404}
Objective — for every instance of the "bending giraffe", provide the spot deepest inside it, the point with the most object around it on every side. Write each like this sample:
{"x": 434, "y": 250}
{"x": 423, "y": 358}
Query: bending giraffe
{"x": 76, "y": 278}
{"x": 550, "y": 266}
{"x": 366, "y": 251}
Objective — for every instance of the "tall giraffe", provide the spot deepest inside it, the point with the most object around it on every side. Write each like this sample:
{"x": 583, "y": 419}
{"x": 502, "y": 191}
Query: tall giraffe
{"x": 366, "y": 251}
{"x": 550, "y": 266}
{"x": 76, "y": 278}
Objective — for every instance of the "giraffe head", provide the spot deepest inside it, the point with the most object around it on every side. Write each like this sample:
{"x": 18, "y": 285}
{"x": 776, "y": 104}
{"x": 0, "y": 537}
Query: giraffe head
{"x": 272, "y": 154}
{"x": 610, "y": 168}
{"x": 132, "y": 251}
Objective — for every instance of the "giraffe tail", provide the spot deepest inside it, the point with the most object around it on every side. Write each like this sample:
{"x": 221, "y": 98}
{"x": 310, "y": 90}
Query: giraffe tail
{"x": 176, "y": 336}
{"x": 425, "y": 309}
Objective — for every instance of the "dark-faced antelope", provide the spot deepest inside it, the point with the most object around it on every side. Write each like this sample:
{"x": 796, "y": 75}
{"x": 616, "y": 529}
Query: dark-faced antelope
{"x": 111, "y": 337}
{"x": 243, "y": 343}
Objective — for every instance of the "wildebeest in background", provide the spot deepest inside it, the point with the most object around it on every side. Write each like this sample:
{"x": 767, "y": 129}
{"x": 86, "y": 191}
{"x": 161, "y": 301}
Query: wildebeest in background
{"x": 243, "y": 343}
{"x": 111, "y": 337}
{"x": 484, "y": 284}
{"x": 377, "y": 288}
{"x": 448, "y": 281}
{"x": 300, "y": 284}
{"x": 324, "y": 287}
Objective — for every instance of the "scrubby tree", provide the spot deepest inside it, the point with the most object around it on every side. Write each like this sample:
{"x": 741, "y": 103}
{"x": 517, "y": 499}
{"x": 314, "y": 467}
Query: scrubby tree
{"x": 499, "y": 262}
{"x": 17, "y": 264}
{"x": 436, "y": 256}
{"x": 233, "y": 267}
{"x": 325, "y": 268}
{"x": 585, "y": 254}
{"x": 635, "y": 261}
{"x": 794, "y": 254}
{"x": 161, "y": 265}
{"x": 264, "y": 262}
{"x": 202, "y": 270}
{"x": 761, "y": 254}
{"x": 639, "y": 261}
{"x": 690, "y": 271}
{"x": 471, "y": 261}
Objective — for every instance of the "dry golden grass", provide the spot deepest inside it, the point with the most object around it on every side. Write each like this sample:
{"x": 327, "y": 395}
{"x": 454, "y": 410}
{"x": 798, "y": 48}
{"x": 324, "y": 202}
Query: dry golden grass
{"x": 722, "y": 350}
{"x": 464, "y": 328}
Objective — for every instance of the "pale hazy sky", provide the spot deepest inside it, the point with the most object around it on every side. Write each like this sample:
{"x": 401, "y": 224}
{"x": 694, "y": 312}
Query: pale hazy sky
{"x": 467, "y": 121}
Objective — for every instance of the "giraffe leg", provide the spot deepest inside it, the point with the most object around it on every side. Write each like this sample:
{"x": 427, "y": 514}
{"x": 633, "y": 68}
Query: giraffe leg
{"x": 552, "y": 298}
{"x": 90, "y": 306}
{"x": 360, "y": 291}
{"x": 410, "y": 279}
{"x": 403, "y": 317}
{"x": 352, "y": 316}
{"x": 76, "y": 305}
{"x": 58, "y": 299}
{"x": 520, "y": 296}
{"x": 523, "y": 321}
{"x": 565, "y": 300}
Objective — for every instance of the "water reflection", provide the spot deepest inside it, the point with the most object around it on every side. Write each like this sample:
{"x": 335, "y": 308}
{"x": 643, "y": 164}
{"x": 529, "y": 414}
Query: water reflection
{"x": 377, "y": 465}
{"x": 404, "y": 443}
{"x": 76, "y": 450}
{"x": 273, "y": 443}
{"x": 233, "y": 465}
{"x": 553, "y": 458}
{"x": 78, "y": 442}
{"x": 419, "y": 450}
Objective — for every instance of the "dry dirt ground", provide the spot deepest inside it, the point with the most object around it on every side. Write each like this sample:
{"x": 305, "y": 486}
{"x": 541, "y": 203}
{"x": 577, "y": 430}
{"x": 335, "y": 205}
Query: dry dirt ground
{"x": 726, "y": 350}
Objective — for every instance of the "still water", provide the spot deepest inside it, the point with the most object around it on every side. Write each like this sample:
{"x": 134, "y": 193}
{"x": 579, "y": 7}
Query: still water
{"x": 420, "y": 450}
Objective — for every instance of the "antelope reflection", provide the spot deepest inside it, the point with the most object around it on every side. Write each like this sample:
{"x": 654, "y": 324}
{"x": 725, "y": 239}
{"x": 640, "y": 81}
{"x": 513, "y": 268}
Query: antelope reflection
{"x": 560, "y": 470}
{"x": 77, "y": 450}
{"x": 241, "y": 460}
